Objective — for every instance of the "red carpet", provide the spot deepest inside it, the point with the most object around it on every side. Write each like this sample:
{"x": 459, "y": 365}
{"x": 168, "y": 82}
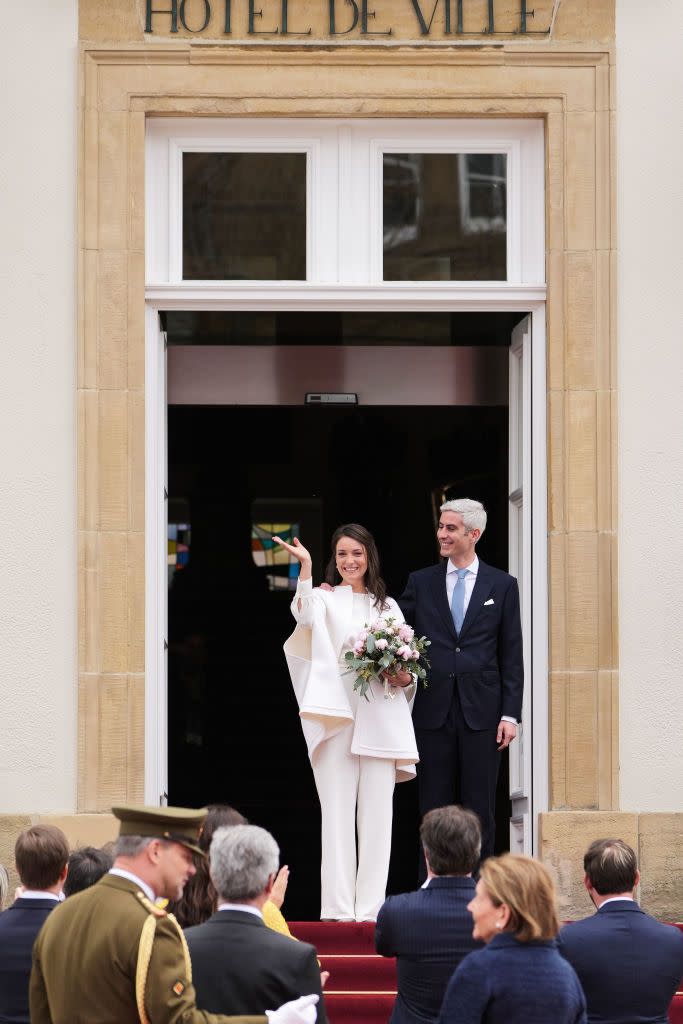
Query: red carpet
{"x": 362, "y": 985}
{"x": 676, "y": 1008}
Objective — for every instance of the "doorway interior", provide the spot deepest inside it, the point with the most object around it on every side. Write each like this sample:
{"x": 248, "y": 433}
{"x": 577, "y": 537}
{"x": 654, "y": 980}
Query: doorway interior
{"x": 247, "y": 456}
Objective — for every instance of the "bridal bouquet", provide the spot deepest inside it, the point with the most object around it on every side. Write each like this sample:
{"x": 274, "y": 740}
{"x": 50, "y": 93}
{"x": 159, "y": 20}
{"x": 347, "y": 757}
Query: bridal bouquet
{"x": 385, "y": 646}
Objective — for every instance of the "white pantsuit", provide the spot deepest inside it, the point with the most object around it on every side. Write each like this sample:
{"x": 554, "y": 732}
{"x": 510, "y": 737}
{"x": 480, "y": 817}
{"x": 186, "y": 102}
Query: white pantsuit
{"x": 358, "y": 748}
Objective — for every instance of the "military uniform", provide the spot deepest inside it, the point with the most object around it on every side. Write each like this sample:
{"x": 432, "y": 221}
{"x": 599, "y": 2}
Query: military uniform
{"x": 109, "y": 955}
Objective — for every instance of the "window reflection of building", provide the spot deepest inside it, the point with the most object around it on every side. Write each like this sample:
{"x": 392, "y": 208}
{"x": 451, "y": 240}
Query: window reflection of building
{"x": 445, "y": 216}
{"x": 483, "y": 186}
{"x": 402, "y": 201}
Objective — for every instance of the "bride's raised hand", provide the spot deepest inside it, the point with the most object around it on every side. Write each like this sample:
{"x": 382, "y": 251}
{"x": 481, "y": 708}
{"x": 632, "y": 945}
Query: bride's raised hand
{"x": 298, "y": 551}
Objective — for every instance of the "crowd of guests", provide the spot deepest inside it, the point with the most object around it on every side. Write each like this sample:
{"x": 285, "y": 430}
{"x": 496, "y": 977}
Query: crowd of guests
{"x": 476, "y": 943}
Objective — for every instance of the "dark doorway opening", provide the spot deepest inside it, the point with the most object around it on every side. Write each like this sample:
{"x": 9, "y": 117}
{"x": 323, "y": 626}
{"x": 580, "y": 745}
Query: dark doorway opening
{"x": 234, "y": 732}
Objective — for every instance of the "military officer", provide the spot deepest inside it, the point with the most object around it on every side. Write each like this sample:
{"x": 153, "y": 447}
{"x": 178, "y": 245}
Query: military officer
{"x": 112, "y": 955}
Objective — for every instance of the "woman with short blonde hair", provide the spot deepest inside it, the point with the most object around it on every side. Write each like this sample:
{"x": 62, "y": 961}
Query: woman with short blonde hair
{"x": 519, "y": 977}
{"x": 525, "y": 887}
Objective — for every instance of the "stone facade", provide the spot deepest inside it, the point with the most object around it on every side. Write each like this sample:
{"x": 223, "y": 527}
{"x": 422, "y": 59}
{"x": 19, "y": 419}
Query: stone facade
{"x": 564, "y": 77}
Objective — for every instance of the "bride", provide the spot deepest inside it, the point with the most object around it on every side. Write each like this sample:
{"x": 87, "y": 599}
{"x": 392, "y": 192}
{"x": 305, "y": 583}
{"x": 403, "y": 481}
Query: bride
{"x": 358, "y": 748}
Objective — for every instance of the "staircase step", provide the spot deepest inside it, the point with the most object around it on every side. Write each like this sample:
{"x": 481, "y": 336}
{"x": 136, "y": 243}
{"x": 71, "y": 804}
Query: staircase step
{"x": 359, "y": 973}
{"x": 359, "y": 1007}
{"x": 336, "y": 937}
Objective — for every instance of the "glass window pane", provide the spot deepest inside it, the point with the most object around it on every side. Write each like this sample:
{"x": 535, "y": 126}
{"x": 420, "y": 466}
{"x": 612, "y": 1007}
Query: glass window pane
{"x": 445, "y": 217}
{"x": 244, "y": 216}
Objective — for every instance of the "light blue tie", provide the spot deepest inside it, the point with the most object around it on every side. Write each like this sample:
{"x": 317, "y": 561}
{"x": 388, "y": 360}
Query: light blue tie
{"x": 458, "y": 600}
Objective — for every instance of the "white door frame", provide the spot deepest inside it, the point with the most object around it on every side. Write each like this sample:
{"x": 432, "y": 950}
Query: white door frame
{"x": 407, "y": 297}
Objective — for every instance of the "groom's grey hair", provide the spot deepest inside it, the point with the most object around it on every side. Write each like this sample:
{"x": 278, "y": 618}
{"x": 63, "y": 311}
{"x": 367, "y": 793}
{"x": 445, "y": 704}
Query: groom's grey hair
{"x": 243, "y": 857}
{"x": 472, "y": 512}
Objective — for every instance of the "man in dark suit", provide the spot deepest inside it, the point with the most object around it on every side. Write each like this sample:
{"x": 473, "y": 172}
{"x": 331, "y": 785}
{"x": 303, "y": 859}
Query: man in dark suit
{"x": 472, "y": 705}
{"x": 238, "y": 964}
{"x": 629, "y": 964}
{"x": 40, "y": 855}
{"x": 430, "y": 931}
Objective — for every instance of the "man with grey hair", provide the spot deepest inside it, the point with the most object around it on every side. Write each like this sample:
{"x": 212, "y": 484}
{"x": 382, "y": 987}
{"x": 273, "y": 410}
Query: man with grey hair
{"x": 239, "y": 965}
{"x": 472, "y": 705}
{"x": 112, "y": 953}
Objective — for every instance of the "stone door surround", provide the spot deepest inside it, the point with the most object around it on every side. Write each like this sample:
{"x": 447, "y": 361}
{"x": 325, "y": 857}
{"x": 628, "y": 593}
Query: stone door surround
{"x": 570, "y": 86}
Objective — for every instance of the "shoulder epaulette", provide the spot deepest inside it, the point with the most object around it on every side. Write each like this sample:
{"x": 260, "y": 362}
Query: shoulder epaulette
{"x": 150, "y": 907}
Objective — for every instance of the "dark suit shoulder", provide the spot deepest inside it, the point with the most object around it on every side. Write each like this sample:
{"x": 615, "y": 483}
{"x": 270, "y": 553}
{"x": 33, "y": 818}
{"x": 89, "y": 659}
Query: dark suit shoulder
{"x": 428, "y": 572}
{"x": 285, "y": 946}
{"x": 499, "y": 576}
{"x": 575, "y": 934}
{"x": 251, "y": 930}
{"x": 22, "y": 913}
{"x": 431, "y": 896}
{"x": 399, "y": 904}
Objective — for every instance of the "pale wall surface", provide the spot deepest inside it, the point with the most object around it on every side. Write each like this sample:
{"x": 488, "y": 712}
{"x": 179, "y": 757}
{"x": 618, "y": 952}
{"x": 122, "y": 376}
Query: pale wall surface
{"x": 650, "y": 375}
{"x": 38, "y": 673}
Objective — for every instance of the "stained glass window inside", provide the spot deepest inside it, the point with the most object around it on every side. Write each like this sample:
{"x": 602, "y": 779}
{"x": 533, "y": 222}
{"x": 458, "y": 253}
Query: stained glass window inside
{"x": 179, "y": 535}
{"x": 282, "y": 570}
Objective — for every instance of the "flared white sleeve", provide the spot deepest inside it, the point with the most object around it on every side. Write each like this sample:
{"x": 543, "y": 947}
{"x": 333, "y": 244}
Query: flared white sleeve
{"x": 324, "y": 707}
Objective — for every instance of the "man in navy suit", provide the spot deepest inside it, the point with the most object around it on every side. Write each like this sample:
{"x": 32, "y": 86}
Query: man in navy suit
{"x": 472, "y": 705}
{"x": 629, "y": 964}
{"x": 41, "y": 854}
{"x": 430, "y": 931}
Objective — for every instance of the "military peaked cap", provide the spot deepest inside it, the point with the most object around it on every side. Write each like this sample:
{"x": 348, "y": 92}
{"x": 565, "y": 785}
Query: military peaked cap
{"x": 176, "y": 824}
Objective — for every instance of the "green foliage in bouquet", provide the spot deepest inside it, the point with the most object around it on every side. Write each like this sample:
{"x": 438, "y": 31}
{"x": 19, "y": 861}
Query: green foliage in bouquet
{"x": 386, "y": 646}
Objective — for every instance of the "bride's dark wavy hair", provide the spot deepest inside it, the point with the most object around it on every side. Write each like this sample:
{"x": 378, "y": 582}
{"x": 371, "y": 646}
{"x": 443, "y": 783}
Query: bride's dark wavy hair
{"x": 373, "y": 579}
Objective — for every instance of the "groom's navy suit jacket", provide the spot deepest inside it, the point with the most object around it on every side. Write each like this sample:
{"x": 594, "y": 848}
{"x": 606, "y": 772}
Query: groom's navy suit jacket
{"x": 484, "y": 660}
{"x": 629, "y": 964}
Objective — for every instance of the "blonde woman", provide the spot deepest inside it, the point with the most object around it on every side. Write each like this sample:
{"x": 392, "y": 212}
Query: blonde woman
{"x": 519, "y": 977}
{"x": 358, "y": 748}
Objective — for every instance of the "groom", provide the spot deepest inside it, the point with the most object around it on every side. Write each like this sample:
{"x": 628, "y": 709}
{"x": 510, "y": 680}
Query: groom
{"x": 472, "y": 705}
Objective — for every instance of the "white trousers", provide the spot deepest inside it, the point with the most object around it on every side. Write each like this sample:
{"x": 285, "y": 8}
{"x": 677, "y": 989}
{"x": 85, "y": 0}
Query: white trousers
{"x": 355, "y": 793}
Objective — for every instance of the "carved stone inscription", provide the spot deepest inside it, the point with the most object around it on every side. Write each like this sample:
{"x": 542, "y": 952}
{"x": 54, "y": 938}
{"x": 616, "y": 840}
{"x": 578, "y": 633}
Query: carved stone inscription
{"x": 419, "y": 19}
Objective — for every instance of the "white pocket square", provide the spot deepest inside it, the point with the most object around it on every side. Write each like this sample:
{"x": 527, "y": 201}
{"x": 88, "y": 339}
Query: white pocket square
{"x": 490, "y": 601}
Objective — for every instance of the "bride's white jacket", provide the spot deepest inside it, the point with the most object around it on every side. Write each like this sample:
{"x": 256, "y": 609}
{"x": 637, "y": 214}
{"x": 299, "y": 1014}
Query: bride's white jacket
{"x": 382, "y": 728}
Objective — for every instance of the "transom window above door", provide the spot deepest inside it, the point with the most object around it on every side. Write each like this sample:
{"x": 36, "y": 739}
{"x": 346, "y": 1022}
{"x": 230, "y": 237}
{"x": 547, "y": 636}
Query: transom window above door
{"x": 345, "y": 202}
{"x": 244, "y": 216}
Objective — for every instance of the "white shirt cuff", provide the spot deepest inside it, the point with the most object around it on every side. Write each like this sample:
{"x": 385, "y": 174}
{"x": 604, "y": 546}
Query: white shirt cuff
{"x": 304, "y": 587}
{"x": 506, "y": 718}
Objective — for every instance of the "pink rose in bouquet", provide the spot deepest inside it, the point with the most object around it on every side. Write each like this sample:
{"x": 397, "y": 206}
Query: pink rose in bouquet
{"x": 385, "y": 648}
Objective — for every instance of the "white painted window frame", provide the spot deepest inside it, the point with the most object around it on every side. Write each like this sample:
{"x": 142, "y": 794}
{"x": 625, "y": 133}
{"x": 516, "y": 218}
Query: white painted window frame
{"x": 345, "y": 274}
{"x": 344, "y": 186}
